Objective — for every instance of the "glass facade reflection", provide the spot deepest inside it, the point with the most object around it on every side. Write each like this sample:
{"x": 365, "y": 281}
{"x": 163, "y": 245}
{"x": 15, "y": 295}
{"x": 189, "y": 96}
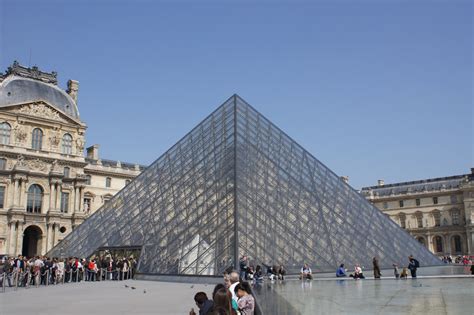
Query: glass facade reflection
{"x": 236, "y": 184}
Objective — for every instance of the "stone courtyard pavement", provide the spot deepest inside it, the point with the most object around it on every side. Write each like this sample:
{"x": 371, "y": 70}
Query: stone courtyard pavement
{"x": 441, "y": 295}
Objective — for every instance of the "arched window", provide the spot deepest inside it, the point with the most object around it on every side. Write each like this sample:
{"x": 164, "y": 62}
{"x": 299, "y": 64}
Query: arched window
{"x": 108, "y": 182}
{"x": 35, "y": 199}
{"x": 37, "y": 139}
{"x": 438, "y": 244}
{"x": 67, "y": 172}
{"x": 88, "y": 179}
{"x": 67, "y": 144}
{"x": 5, "y": 130}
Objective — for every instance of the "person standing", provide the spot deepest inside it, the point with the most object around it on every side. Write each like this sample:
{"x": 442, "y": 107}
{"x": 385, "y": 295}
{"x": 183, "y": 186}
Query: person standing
{"x": 413, "y": 265}
{"x": 246, "y": 300}
{"x": 243, "y": 267}
{"x": 395, "y": 271}
{"x": 375, "y": 263}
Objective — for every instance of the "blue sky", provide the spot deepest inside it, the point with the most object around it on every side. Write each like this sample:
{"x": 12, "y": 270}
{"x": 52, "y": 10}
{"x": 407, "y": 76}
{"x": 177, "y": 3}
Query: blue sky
{"x": 373, "y": 89}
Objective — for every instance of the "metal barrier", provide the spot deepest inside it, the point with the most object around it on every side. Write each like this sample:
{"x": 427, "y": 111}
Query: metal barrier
{"x": 25, "y": 279}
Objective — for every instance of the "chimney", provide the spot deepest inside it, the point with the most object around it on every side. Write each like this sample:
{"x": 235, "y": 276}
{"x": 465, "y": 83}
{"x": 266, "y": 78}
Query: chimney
{"x": 345, "y": 179}
{"x": 380, "y": 182}
{"x": 73, "y": 89}
{"x": 93, "y": 152}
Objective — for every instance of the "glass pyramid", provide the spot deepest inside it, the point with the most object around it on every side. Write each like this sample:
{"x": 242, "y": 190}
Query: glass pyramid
{"x": 236, "y": 184}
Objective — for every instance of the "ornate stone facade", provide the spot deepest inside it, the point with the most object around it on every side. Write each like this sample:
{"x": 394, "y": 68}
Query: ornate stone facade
{"x": 47, "y": 185}
{"x": 438, "y": 212}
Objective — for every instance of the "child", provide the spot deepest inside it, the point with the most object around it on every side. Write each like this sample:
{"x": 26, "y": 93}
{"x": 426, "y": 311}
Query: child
{"x": 395, "y": 271}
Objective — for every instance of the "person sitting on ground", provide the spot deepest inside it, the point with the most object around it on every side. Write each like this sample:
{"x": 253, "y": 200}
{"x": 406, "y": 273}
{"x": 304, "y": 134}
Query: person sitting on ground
{"x": 357, "y": 273}
{"x": 305, "y": 272}
{"x": 246, "y": 300}
{"x": 281, "y": 272}
{"x": 250, "y": 273}
{"x": 341, "y": 271}
{"x": 203, "y": 303}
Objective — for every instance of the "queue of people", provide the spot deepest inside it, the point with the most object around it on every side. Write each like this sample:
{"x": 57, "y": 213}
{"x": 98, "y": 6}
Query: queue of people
{"x": 41, "y": 270}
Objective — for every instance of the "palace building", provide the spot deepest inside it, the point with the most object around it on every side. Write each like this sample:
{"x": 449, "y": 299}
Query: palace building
{"x": 47, "y": 185}
{"x": 438, "y": 212}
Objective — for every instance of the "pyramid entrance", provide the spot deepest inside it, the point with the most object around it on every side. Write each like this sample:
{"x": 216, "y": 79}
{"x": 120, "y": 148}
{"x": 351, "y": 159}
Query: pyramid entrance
{"x": 238, "y": 185}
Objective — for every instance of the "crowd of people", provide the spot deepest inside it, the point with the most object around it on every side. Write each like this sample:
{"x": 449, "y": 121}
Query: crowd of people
{"x": 413, "y": 265}
{"x": 22, "y": 271}
{"x": 232, "y": 297}
{"x": 259, "y": 272}
{"x": 448, "y": 259}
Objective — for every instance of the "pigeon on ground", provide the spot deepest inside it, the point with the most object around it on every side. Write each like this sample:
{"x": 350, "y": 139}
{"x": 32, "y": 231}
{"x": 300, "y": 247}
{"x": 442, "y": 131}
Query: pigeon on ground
{"x": 126, "y": 286}
{"x": 144, "y": 291}
{"x": 192, "y": 286}
{"x": 133, "y": 288}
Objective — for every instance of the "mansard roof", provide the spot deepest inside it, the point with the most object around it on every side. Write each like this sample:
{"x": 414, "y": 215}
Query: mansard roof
{"x": 25, "y": 85}
{"x": 419, "y": 186}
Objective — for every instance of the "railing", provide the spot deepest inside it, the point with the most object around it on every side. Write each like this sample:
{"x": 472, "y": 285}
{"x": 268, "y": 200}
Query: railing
{"x": 28, "y": 279}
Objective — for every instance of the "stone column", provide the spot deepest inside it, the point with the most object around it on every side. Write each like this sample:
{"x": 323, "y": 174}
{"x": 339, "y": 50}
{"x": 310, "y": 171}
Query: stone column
{"x": 11, "y": 239}
{"x": 58, "y": 196}
{"x": 429, "y": 242}
{"x": 15, "y": 192}
{"x": 51, "y": 196}
{"x": 55, "y": 234}
{"x": 44, "y": 241}
{"x": 81, "y": 199}
{"x": 470, "y": 241}
{"x": 19, "y": 239}
{"x": 50, "y": 236}
{"x": 22, "y": 193}
{"x": 76, "y": 199}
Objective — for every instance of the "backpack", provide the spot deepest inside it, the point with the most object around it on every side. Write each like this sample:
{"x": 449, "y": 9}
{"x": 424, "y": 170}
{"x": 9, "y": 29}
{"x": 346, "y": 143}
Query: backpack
{"x": 417, "y": 263}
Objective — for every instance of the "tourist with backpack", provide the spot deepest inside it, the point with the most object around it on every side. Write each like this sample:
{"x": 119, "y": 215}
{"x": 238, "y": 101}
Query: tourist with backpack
{"x": 413, "y": 265}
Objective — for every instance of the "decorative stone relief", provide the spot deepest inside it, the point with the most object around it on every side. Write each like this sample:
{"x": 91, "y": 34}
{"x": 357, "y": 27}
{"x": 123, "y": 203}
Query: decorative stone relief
{"x": 20, "y": 160}
{"x": 19, "y": 133}
{"x": 55, "y": 167}
{"x": 37, "y": 165}
{"x": 40, "y": 110}
{"x": 79, "y": 146}
{"x": 54, "y": 139}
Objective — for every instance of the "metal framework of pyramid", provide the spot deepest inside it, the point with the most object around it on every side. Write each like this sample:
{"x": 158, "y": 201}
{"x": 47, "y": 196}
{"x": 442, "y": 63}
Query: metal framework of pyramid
{"x": 236, "y": 184}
